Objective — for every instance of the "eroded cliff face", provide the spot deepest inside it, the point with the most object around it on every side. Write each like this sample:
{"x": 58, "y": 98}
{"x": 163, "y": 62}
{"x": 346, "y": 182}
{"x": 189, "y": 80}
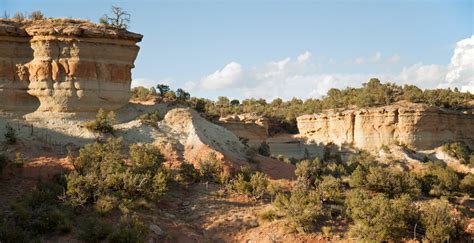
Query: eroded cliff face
{"x": 65, "y": 66}
{"x": 415, "y": 125}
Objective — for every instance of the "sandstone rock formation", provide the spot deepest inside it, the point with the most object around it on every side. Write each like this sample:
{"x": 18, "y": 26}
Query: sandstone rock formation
{"x": 64, "y": 65}
{"x": 416, "y": 125}
{"x": 252, "y": 127}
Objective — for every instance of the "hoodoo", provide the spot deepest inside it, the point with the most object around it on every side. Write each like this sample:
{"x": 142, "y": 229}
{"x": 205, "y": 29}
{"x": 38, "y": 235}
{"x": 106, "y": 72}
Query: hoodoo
{"x": 63, "y": 65}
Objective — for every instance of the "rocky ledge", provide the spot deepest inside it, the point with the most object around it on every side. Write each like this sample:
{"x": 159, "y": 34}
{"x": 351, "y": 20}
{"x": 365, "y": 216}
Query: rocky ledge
{"x": 65, "y": 65}
{"x": 417, "y": 126}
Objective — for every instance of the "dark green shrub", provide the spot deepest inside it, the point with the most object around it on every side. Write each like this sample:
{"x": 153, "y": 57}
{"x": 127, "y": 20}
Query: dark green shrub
{"x": 250, "y": 183}
{"x": 187, "y": 172}
{"x": 379, "y": 218}
{"x": 37, "y": 212}
{"x": 330, "y": 189}
{"x": 93, "y": 230}
{"x": 379, "y": 179}
{"x": 129, "y": 230}
{"x": 264, "y": 149}
{"x": 104, "y": 123}
{"x": 301, "y": 209}
{"x": 308, "y": 171}
{"x": 210, "y": 167}
{"x": 3, "y": 162}
{"x": 141, "y": 93}
{"x": 467, "y": 184}
{"x": 438, "y": 180}
{"x": 437, "y": 220}
{"x": 458, "y": 150}
{"x": 101, "y": 172}
{"x": 145, "y": 158}
{"x": 10, "y": 135}
{"x": 151, "y": 119}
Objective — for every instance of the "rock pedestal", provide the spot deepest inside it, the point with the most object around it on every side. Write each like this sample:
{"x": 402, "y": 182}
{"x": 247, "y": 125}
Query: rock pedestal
{"x": 59, "y": 65}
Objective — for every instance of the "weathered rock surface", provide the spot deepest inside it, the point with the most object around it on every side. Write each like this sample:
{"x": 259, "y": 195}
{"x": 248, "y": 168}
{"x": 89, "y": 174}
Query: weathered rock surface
{"x": 416, "y": 125}
{"x": 62, "y": 65}
{"x": 252, "y": 127}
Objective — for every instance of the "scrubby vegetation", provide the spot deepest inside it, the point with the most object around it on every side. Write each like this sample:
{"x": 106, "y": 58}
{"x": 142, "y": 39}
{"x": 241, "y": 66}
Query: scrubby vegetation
{"x": 10, "y": 135}
{"x": 104, "y": 122}
{"x": 284, "y": 113}
{"x": 105, "y": 179}
{"x": 384, "y": 203}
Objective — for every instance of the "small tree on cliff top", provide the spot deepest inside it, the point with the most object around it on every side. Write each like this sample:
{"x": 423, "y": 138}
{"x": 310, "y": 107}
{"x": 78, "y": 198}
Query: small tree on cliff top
{"x": 120, "y": 19}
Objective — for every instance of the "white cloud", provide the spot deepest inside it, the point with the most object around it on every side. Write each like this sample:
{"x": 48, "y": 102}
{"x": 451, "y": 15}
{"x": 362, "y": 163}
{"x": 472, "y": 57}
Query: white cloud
{"x": 426, "y": 76}
{"x": 376, "y": 57}
{"x": 303, "y": 78}
{"x": 225, "y": 78}
{"x": 461, "y": 68}
{"x": 359, "y": 60}
{"x": 304, "y": 57}
{"x": 394, "y": 59}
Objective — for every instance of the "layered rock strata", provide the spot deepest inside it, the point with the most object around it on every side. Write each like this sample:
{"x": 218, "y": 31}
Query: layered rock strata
{"x": 416, "y": 125}
{"x": 61, "y": 65}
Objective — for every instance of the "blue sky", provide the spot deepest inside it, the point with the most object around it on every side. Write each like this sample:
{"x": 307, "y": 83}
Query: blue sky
{"x": 241, "y": 48}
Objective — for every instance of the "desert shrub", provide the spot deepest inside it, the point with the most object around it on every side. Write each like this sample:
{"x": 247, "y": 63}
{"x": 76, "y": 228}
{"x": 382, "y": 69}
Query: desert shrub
{"x": 3, "y": 162}
{"x": 438, "y": 221}
{"x": 250, "y": 183}
{"x": 141, "y": 93}
{"x": 93, "y": 230}
{"x": 267, "y": 215}
{"x": 471, "y": 160}
{"x": 19, "y": 161}
{"x": 101, "y": 171}
{"x": 104, "y": 123}
{"x": 10, "y": 135}
{"x": 19, "y": 16}
{"x": 458, "y": 150}
{"x": 301, "y": 209}
{"x": 210, "y": 167}
{"x": 330, "y": 189}
{"x": 438, "y": 179}
{"x": 264, "y": 149}
{"x": 36, "y": 15}
{"x": 145, "y": 158}
{"x": 380, "y": 179}
{"x": 308, "y": 171}
{"x": 36, "y": 213}
{"x": 379, "y": 218}
{"x": 105, "y": 204}
{"x": 187, "y": 172}
{"x": 130, "y": 229}
{"x": 151, "y": 119}
{"x": 467, "y": 184}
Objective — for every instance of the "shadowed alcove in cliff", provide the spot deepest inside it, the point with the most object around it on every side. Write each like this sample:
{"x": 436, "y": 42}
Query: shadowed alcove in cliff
{"x": 16, "y": 53}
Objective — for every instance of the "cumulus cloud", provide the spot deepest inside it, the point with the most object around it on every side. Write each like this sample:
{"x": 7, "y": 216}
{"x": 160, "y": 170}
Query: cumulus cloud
{"x": 461, "y": 68}
{"x": 300, "y": 77}
{"x": 394, "y": 59}
{"x": 304, "y": 57}
{"x": 225, "y": 78}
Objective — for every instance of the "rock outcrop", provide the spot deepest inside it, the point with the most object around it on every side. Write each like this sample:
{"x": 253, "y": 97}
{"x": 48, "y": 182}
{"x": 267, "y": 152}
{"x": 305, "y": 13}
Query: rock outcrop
{"x": 415, "y": 125}
{"x": 248, "y": 126}
{"x": 64, "y": 65}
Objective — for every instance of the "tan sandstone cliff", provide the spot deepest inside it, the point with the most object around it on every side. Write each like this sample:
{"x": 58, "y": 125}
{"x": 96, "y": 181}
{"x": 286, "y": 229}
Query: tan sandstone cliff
{"x": 65, "y": 65}
{"x": 416, "y": 125}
